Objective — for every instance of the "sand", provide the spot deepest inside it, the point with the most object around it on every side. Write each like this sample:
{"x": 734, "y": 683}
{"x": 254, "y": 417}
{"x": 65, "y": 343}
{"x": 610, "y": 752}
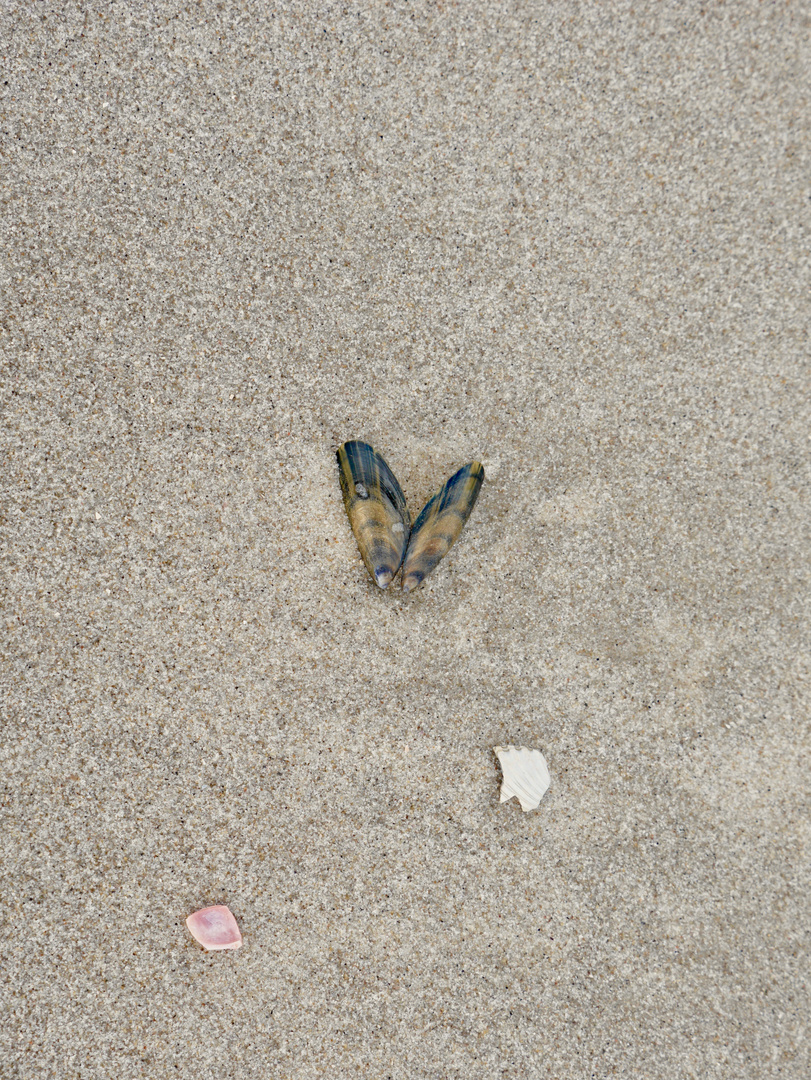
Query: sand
{"x": 570, "y": 241}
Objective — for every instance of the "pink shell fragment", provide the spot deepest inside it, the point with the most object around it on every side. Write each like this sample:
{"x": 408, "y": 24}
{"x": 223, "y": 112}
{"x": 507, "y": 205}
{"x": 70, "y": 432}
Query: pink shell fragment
{"x": 215, "y": 928}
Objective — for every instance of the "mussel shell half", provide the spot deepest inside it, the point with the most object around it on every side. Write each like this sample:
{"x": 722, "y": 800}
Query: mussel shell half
{"x": 440, "y": 523}
{"x": 377, "y": 509}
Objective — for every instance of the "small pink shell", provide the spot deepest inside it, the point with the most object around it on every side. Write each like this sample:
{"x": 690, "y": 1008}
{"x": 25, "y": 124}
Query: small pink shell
{"x": 215, "y": 928}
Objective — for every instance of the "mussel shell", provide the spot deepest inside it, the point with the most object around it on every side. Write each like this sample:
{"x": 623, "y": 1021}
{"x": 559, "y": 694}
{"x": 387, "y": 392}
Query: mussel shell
{"x": 440, "y": 523}
{"x": 376, "y": 507}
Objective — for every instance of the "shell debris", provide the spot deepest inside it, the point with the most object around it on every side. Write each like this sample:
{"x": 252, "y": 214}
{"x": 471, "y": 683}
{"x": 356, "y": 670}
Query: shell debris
{"x": 381, "y": 522}
{"x": 525, "y": 775}
{"x": 376, "y": 508}
{"x": 215, "y": 928}
{"x": 440, "y": 523}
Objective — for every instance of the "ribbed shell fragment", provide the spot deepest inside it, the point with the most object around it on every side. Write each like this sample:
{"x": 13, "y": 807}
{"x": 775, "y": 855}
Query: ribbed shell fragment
{"x": 525, "y": 773}
{"x": 377, "y": 509}
{"x": 440, "y": 523}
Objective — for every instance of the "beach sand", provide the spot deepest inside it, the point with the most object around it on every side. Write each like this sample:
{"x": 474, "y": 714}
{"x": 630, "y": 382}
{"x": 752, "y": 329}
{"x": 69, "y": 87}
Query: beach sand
{"x": 570, "y": 241}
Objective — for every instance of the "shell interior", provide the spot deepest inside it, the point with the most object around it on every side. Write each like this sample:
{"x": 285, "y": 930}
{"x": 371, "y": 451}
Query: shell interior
{"x": 215, "y": 928}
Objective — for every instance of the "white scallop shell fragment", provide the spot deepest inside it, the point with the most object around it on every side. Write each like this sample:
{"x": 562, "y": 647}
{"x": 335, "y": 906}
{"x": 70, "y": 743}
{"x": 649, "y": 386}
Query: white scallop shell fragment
{"x": 525, "y": 773}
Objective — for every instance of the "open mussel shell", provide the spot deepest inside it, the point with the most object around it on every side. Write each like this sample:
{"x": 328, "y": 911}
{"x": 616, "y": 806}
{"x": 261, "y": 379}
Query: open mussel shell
{"x": 377, "y": 509}
{"x": 440, "y": 523}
